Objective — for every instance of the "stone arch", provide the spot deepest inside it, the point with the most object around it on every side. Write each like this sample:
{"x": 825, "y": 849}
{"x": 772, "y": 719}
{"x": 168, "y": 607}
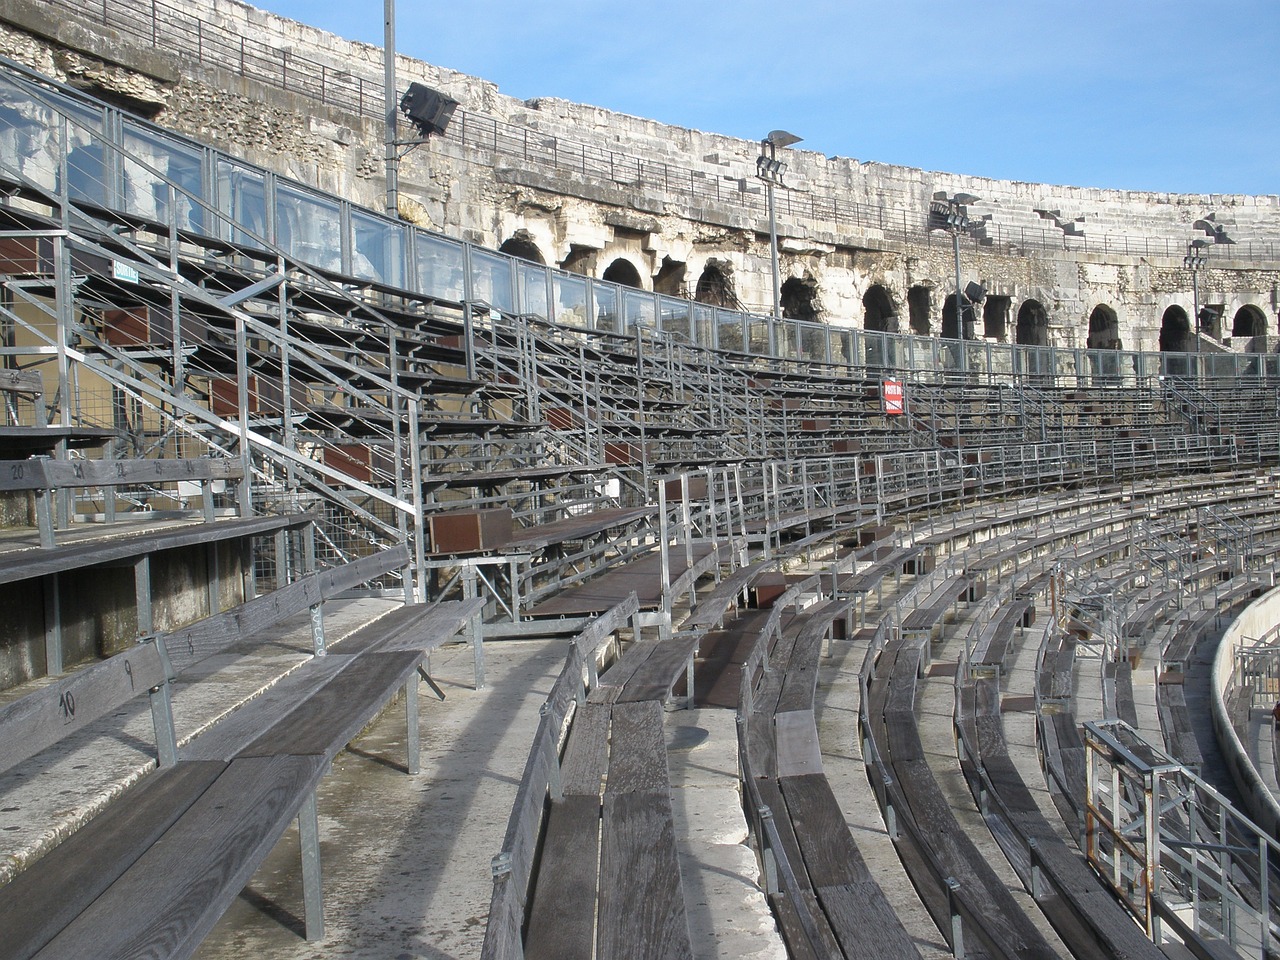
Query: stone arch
{"x": 1175, "y": 331}
{"x": 521, "y": 244}
{"x": 919, "y": 301}
{"x": 879, "y": 312}
{"x": 1032, "y": 327}
{"x": 715, "y": 284}
{"x": 799, "y": 296}
{"x": 1104, "y": 329}
{"x": 1249, "y": 322}
{"x": 670, "y": 277}
{"x": 622, "y": 272}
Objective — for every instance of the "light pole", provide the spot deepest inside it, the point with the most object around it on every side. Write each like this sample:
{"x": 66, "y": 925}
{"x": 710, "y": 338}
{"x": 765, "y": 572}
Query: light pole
{"x": 1195, "y": 261}
{"x": 392, "y": 106}
{"x": 770, "y": 169}
{"x": 950, "y": 214}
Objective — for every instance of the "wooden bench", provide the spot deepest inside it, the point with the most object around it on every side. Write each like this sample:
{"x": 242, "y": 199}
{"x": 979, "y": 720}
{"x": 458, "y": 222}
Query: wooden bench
{"x": 43, "y": 477}
{"x": 156, "y": 869}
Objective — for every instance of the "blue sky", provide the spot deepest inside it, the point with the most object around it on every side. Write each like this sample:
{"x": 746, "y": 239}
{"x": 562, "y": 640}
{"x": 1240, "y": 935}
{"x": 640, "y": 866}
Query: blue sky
{"x": 1137, "y": 94}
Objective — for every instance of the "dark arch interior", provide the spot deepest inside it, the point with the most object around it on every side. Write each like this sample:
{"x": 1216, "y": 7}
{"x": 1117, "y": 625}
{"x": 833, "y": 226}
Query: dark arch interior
{"x": 918, "y": 301}
{"x": 1104, "y": 329}
{"x": 715, "y": 286}
{"x": 800, "y": 299}
{"x": 623, "y": 272}
{"x": 1175, "y": 331}
{"x": 521, "y": 245}
{"x": 878, "y": 310}
{"x": 1033, "y": 324}
{"x": 1249, "y": 321}
{"x": 670, "y": 278}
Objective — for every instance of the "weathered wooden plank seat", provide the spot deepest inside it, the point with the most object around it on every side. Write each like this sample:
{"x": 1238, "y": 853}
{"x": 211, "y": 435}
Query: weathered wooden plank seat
{"x": 991, "y": 914}
{"x": 26, "y": 564}
{"x": 584, "y": 527}
{"x": 641, "y": 576}
{"x": 157, "y": 868}
{"x": 551, "y": 888}
{"x": 642, "y": 909}
{"x": 1089, "y": 920}
{"x": 929, "y": 612}
{"x": 43, "y": 477}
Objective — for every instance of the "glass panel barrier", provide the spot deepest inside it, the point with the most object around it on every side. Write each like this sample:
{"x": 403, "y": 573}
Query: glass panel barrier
{"x": 88, "y": 161}
{"x": 441, "y": 267}
{"x": 308, "y": 226}
{"x": 242, "y": 198}
{"x": 491, "y": 279}
{"x": 377, "y": 249}
{"x": 758, "y": 339}
{"x": 704, "y": 325}
{"x": 30, "y": 135}
{"x": 571, "y": 300}
{"x": 729, "y": 331}
{"x": 676, "y": 318}
{"x": 639, "y": 308}
{"x": 813, "y": 342}
{"x": 608, "y": 315}
{"x": 531, "y": 289}
{"x": 151, "y": 163}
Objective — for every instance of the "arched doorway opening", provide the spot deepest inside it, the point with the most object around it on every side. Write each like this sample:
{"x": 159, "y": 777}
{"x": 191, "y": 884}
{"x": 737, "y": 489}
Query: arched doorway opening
{"x": 670, "y": 278}
{"x": 1104, "y": 329}
{"x": 878, "y": 311}
{"x": 715, "y": 285}
{"x": 622, "y": 272}
{"x": 1175, "y": 331}
{"x": 799, "y": 298}
{"x": 520, "y": 244}
{"x": 1250, "y": 323}
{"x": 1032, "y": 328}
{"x": 879, "y": 316}
{"x": 919, "y": 300}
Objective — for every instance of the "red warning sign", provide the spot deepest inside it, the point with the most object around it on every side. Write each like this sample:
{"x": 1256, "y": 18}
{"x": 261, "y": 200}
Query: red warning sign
{"x": 893, "y": 397}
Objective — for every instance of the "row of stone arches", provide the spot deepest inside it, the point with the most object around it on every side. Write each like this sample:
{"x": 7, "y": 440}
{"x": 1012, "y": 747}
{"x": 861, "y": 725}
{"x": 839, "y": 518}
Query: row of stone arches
{"x": 985, "y": 316}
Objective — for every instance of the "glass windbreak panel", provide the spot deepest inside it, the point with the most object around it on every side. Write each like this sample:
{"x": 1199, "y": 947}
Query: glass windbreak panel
{"x": 676, "y": 318}
{"x": 1102, "y": 366}
{"x": 309, "y": 227}
{"x": 758, "y": 341}
{"x": 377, "y": 249}
{"x": 441, "y": 267}
{"x": 842, "y": 347}
{"x": 639, "y": 308}
{"x": 154, "y": 163}
{"x": 608, "y": 314}
{"x": 30, "y": 135}
{"x": 813, "y": 342}
{"x": 1036, "y": 362}
{"x": 571, "y": 300}
{"x": 729, "y": 331}
{"x": 704, "y": 324}
{"x": 878, "y": 349}
{"x": 89, "y": 160}
{"x": 1001, "y": 359}
{"x": 531, "y": 279}
{"x": 242, "y": 199}
{"x": 491, "y": 280}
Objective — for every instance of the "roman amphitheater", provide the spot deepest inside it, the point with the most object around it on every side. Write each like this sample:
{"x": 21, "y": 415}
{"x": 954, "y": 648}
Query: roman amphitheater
{"x": 560, "y": 534}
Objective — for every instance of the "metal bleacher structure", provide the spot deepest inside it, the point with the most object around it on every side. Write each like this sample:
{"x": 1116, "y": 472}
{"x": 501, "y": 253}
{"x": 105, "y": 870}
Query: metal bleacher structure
{"x": 201, "y": 354}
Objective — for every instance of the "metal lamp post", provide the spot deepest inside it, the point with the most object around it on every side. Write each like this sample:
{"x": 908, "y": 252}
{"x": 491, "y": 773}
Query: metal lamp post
{"x": 770, "y": 169}
{"x": 1195, "y": 261}
{"x": 950, "y": 213}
